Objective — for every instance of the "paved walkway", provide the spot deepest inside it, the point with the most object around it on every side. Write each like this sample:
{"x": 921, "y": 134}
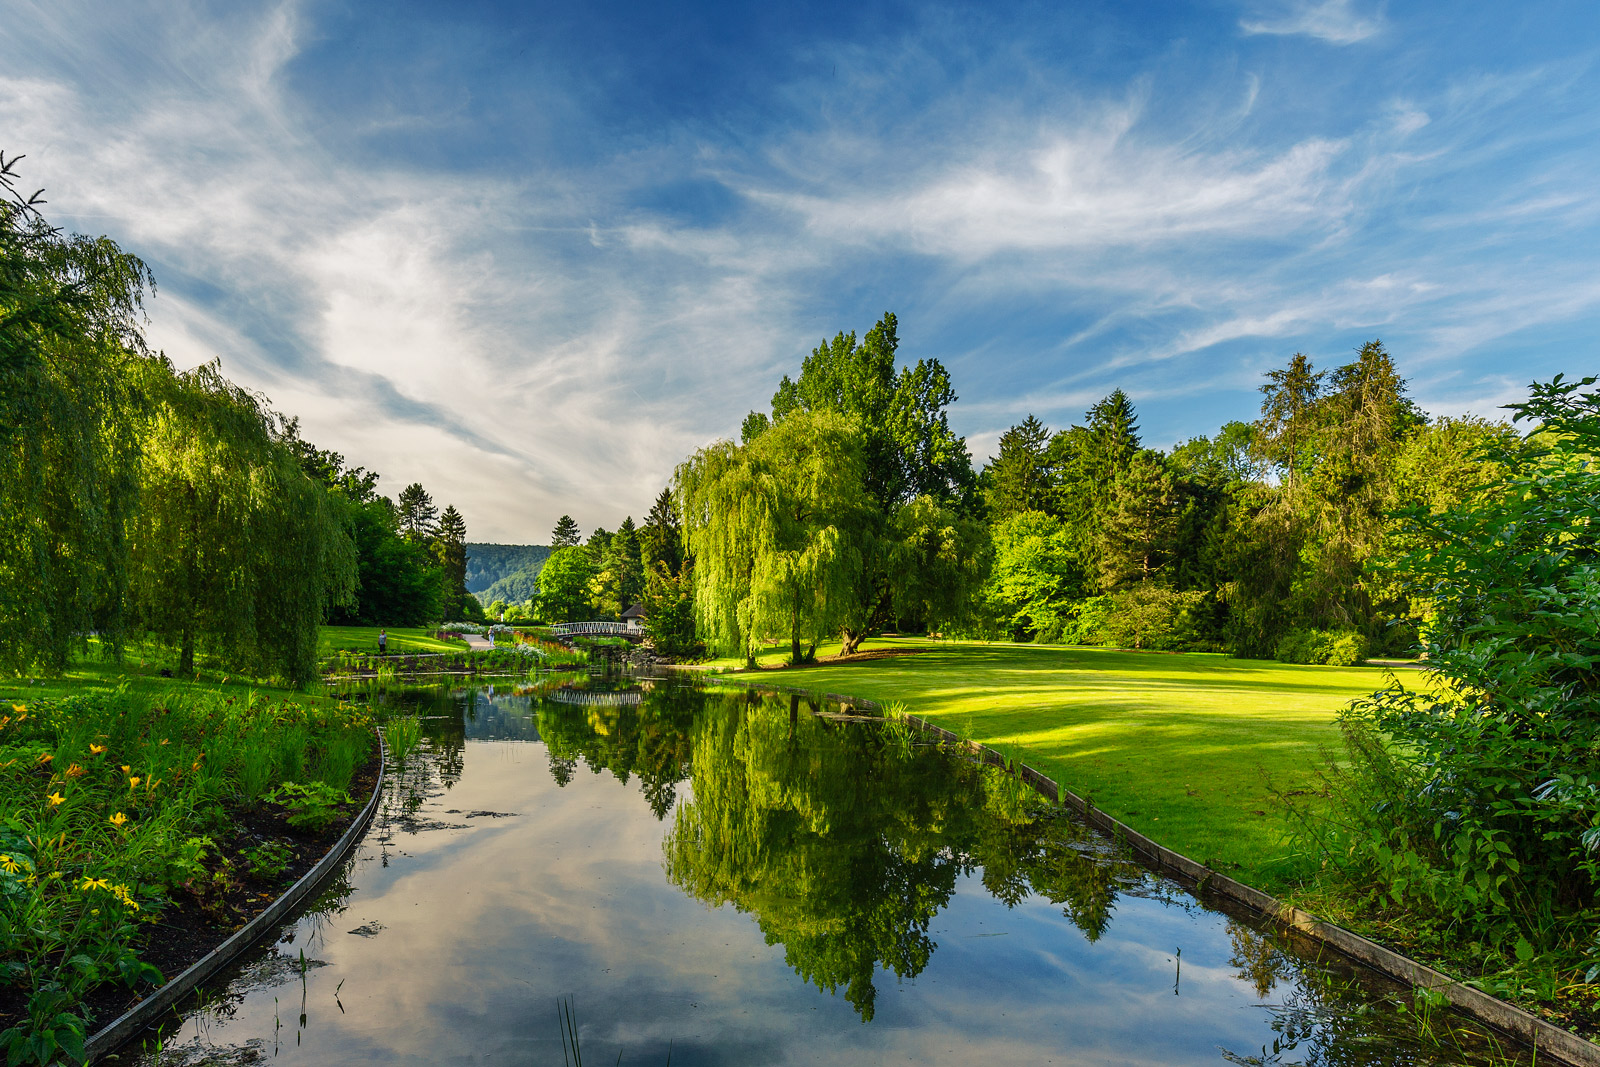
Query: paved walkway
{"x": 479, "y": 642}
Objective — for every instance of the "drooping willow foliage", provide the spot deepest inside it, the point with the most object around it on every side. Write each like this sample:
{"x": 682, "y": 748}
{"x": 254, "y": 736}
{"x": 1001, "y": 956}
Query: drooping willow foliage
{"x": 234, "y": 549}
{"x": 72, "y": 369}
{"x": 140, "y": 499}
{"x": 776, "y": 530}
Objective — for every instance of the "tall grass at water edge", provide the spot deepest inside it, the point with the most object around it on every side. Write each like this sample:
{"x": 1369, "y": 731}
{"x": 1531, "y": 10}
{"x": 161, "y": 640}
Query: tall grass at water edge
{"x": 111, "y": 806}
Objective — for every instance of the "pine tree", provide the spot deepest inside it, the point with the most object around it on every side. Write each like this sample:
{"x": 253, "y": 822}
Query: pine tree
{"x": 661, "y": 537}
{"x": 1288, "y": 399}
{"x": 1136, "y": 535}
{"x": 566, "y": 534}
{"x": 451, "y": 550}
{"x": 417, "y": 513}
{"x": 624, "y": 575}
{"x": 1018, "y": 479}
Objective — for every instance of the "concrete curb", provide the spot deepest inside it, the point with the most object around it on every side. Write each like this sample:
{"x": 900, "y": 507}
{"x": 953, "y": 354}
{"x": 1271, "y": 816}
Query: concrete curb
{"x": 148, "y": 1010}
{"x": 1545, "y": 1037}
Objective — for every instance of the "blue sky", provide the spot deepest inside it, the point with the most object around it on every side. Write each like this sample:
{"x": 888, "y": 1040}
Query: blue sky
{"x": 533, "y": 254}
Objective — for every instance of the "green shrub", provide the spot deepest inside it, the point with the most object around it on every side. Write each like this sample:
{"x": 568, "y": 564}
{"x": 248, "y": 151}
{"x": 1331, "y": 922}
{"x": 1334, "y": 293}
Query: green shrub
{"x": 1469, "y": 809}
{"x": 268, "y": 860}
{"x": 1337, "y": 648}
{"x": 310, "y": 805}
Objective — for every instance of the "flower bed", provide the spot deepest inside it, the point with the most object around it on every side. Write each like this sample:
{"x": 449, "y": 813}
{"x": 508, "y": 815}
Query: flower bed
{"x": 120, "y": 812}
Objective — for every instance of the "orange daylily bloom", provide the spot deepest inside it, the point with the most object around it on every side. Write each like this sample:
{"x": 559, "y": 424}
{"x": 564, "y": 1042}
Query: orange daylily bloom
{"x": 95, "y": 750}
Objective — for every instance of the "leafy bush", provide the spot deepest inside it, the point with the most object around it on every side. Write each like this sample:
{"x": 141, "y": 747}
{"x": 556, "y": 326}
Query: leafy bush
{"x": 1470, "y": 808}
{"x": 310, "y": 805}
{"x": 268, "y": 860}
{"x": 1149, "y": 615}
{"x": 1336, "y": 648}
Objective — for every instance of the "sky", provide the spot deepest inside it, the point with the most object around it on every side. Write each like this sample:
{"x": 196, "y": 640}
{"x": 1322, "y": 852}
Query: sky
{"x": 532, "y": 255}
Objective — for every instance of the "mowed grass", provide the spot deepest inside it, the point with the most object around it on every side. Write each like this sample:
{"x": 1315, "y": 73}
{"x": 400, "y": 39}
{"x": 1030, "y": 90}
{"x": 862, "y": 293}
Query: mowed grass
{"x": 140, "y": 669}
{"x": 1187, "y": 749}
{"x": 334, "y": 639}
{"x": 92, "y": 674}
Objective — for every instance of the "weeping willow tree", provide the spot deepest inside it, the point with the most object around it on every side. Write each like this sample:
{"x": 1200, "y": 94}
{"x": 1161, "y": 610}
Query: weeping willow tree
{"x": 72, "y": 367}
{"x": 234, "y": 550}
{"x": 776, "y": 528}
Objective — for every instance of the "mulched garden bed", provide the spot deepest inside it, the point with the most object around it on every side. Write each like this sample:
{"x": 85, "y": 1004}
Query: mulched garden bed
{"x": 189, "y": 926}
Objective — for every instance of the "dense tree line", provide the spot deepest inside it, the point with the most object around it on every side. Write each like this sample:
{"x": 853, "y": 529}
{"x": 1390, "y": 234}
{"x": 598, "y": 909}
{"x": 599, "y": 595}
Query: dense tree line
{"x": 1267, "y": 539}
{"x": 174, "y": 506}
{"x": 851, "y": 508}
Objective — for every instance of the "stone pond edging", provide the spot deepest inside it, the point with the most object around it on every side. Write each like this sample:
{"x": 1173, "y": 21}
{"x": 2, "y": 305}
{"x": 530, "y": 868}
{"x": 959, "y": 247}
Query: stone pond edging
{"x": 148, "y": 1010}
{"x": 1545, "y": 1037}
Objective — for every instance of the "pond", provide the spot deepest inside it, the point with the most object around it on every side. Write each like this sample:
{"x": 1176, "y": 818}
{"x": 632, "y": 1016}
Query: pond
{"x": 694, "y": 876}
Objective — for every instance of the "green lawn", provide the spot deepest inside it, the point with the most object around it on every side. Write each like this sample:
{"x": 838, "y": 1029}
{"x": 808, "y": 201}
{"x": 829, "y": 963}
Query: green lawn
{"x": 1180, "y": 747}
{"x": 140, "y": 667}
{"x": 365, "y": 639}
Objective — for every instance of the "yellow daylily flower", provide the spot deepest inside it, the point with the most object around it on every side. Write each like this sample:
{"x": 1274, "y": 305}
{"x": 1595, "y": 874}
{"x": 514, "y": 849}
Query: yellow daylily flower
{"x": 95, "y": 750}
{"x": 134, "y": 782}
{"x": 19, "y": 708}
{"x": 56, "y": 799}
{"x": 74, "y": 771}
{"x": 45, "y": 757}
{"x": 118, "y": 819}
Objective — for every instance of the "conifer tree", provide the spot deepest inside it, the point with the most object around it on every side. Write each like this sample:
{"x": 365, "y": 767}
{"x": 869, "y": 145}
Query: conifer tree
{"x": 566, "y": 534}
{"x": 1019, "y": 478}
{"x": 418, "y": 515}
{"x": 661, "y": 537}
{"x": 451, "y": 550}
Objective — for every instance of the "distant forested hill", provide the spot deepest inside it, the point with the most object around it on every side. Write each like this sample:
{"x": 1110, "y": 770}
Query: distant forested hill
{"x": 517, "y": 587}
{"x": 488, "y": 564}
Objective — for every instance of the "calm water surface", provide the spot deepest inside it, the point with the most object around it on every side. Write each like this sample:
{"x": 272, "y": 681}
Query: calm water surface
{"x": 730, "y": 879}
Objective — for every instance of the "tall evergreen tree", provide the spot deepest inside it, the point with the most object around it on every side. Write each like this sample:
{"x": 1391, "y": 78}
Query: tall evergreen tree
{"x": 1137, "y": 533}
{"x": 451, "y": 550}
{"x": 661, "y": 537}
{"x": 1019, "y": 478}
{"x": 1289, "y": 398}
{"x": 566, "y": 534}
{"x": 418, "y": 515}
{"x": 623, "y": 573}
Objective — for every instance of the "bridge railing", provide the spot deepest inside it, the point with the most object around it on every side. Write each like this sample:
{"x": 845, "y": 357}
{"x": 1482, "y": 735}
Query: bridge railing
{"x": 604, "y": 629}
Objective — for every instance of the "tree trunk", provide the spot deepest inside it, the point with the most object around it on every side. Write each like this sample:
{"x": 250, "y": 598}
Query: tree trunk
{"x": 850, "y": 640}
{"x": 186, "y": 661}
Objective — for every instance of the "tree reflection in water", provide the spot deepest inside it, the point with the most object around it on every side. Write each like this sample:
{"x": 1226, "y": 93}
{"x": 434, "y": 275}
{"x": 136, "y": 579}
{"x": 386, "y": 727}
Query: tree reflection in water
{"x": 842, "y": 840}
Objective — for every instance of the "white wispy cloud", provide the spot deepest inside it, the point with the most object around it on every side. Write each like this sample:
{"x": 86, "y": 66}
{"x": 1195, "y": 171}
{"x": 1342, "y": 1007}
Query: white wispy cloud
{"x": 526, "y": 340}
{"x": 1334, "y": 21}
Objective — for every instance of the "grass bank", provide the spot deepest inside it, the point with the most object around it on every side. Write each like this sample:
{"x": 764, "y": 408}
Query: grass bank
{"x": 335, "y": 639}
{"x": 1184, "y": 748}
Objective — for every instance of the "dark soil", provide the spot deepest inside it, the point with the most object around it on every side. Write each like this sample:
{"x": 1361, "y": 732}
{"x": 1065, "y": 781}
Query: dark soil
{"x": 191, "y": 925}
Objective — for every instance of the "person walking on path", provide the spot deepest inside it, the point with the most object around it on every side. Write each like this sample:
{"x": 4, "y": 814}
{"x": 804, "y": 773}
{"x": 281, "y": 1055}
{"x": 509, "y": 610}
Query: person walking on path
{"x": 383, "y": 642}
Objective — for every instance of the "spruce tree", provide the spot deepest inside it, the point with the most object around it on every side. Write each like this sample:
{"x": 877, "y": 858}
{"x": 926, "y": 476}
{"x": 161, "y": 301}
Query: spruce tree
{"x": 451, "y": 550}
{"x": 1018, "y": 479}
{"x": 566, "y": 534}
{"x": 417, "y": 514}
